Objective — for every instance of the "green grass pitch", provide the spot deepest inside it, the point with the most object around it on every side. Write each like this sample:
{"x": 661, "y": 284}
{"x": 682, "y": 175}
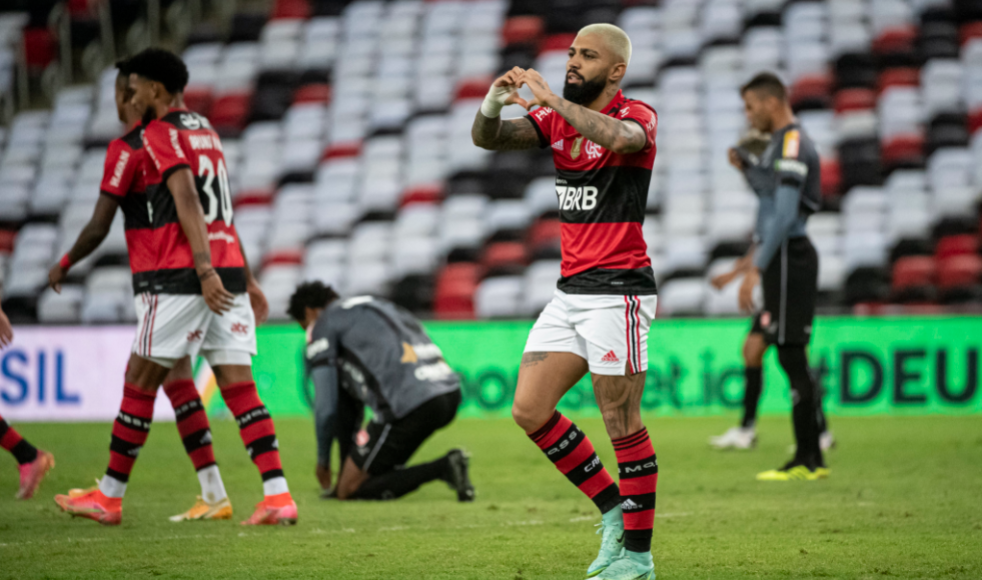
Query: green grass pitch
{"x": 904, "y": 501}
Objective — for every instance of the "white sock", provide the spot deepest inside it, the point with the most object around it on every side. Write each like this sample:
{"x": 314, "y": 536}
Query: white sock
{"x": 212, "y": 487}
{"x": 275, "y": 486}
{"x": 111, "y": 487}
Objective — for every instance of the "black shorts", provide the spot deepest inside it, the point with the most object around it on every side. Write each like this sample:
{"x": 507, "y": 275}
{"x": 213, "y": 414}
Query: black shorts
{"x": 790, "y": 285}
{"x": 390, "y": 445}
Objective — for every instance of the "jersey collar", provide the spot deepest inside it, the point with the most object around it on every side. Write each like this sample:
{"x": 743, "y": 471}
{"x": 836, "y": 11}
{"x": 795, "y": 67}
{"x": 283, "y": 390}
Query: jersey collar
{"x": 615, "y": 103}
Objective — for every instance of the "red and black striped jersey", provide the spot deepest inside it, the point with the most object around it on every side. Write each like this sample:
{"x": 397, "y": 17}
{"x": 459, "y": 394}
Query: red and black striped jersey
{"x": 602, "y": 198}
{"x": 182, "y": 139}
{"x": 122, "y": 179}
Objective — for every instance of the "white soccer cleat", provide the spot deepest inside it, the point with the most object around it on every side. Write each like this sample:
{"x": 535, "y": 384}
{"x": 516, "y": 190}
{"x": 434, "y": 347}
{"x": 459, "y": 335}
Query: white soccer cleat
{"x": 735, "y": 438}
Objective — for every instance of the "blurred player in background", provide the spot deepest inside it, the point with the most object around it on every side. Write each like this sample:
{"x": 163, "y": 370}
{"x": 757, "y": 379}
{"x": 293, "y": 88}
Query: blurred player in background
{"x": 603, "y": 146}
{"x": 746, "y": 157}
{"x": 787, "y": 179}
{"x": 32, "y": 463}
{"x": 123, "y": 187}
{"x": 368, "y": 351}
{"x": 197, "y": 297}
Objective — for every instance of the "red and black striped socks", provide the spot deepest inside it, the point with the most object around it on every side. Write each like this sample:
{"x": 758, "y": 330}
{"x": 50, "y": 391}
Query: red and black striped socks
{"x": 258, "y": 434}
{"x": 573, "y": 454}
{"x": 11, "y": 440}
{"x": 130, "y": 431}
{"x": 192, "y": 425}
{"x": 638, "y": 469}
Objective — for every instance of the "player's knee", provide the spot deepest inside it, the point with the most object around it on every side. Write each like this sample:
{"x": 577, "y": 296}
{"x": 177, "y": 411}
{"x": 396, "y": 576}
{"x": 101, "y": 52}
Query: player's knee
{"x": 753, "y": 350}
{"x": 528, "y": 418}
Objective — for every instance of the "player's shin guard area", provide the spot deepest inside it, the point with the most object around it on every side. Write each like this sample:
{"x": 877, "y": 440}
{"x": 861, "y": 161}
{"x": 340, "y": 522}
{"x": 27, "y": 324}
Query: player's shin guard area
{"x": 192, "y": 422}
{"x": 638, "y": 469}
{"x": 259, "y": 435}
{"x": 573, "y": 454}
{"x": 130, "y": 431}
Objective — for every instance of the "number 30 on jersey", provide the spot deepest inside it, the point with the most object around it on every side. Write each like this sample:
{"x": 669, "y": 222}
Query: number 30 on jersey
{"x": 222, "y": 201}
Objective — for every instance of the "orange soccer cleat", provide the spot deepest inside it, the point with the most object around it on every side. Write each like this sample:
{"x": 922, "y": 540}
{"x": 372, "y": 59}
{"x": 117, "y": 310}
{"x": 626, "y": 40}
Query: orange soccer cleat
{"x": 31, "y": 474}
{"x": 274, "y": 509}
{"x": 92, "y": 504}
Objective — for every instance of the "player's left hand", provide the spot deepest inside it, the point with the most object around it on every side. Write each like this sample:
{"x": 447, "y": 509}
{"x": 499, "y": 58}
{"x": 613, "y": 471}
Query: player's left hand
{"x": 6, "y": 331}
{"x": 747, "y": 290}
{"x": 542, "y": 95}
{"x": 260, "y": 307}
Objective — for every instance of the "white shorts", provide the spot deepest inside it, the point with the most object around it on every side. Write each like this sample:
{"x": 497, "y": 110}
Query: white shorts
{"x": 173, "y": 326}
{"x": 609, "y": 331}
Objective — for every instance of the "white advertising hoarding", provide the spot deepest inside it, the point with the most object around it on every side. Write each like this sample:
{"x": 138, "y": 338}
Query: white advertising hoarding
{"x": 67, "y": 374}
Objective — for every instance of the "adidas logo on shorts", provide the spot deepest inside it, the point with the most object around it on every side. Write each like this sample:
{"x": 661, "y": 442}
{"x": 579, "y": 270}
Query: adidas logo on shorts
{"x": 610, "y": 357}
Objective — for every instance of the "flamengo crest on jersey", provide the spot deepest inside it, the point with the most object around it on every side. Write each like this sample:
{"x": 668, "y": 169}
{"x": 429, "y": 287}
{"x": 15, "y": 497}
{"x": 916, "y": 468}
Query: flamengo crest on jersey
{"x": 601, "y": 198}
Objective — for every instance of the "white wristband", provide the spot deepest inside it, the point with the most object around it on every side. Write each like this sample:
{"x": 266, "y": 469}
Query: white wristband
{"x": 495, "y": 101}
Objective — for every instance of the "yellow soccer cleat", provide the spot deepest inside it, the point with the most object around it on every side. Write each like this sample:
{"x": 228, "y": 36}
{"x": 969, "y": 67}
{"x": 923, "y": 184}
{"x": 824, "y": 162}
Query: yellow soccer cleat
{"x": 202, "y": 510}
{"x": 794, "y": 473}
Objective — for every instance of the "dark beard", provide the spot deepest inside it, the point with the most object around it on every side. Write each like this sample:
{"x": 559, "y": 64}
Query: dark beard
{"x": 584, "y": 93}
{"x": 149, "y": 115}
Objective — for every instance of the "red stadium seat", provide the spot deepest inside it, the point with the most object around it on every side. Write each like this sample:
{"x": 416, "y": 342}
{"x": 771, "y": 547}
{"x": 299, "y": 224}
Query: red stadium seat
{"x": 544, "y": 232}
{"x": 912, "y": 272}
{"x": 231, "y": 110}
{"x": 831, "y": 177}
{"x": 283, "y": 257}
{"x": 898, "y": 77}
{"x": 422, "y": 194}
{"x": 504, "y": 254}
{"x": 959, "y": 245}
{"x": 39, "y": 48}
{"x": 455, "y": 288}
{"x": 346, "y": 149}
{"x": 291, "y": 9}
{"x": 199, "y": 100}
{"x": 7, "y": 238}
{"x": 970, "y": 30}
{"x": 974, "y": 120}
{"x": 314, "y": 93}
{"x": 253, "y": 197}
{"x": 560, "y": 42}
{"x": 522, "y": 30}
{"x": 854, "y": 100}
{"x": 896, "y": 40}
{"x": 81, "y": 8}
{"x": 903, "y": 150}
{"x": 473, "y": 88}
{"x": 960, "y": 271}
{"x": 811, "y": 91}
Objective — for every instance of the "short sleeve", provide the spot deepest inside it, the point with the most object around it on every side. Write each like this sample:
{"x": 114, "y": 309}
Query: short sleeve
{"x": 120, "y": 168}
{"x": 542, "y": 119}
{"x": 163, "y": 143}
{"x": 789, "y": 167}
{"x": 643, "y": 116}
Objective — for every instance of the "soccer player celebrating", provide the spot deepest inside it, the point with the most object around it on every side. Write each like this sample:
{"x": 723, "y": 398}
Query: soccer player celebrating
{"x": 32, "y": 463}
{"x": 123, "y": 186}
{"x": 788, "y": 184}
{"x": 603, "y": 146}
{"x": 746, "y": 157}
{"x": 368, "y": 351}
{"x": 195, "y": 300}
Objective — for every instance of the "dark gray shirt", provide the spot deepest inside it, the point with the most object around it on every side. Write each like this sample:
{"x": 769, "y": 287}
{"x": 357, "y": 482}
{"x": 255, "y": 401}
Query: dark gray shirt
{"x": 788, "y": 182}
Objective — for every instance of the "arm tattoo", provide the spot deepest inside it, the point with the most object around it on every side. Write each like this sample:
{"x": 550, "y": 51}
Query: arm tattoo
{"x": 530, "y": 359}
{"x": 498, "y": 135}
{"x": 608, "y": 132}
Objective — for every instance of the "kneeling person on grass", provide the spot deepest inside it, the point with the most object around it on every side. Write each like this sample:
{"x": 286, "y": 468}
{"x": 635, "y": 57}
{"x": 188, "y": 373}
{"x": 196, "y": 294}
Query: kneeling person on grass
{"x": 366, "y": 351}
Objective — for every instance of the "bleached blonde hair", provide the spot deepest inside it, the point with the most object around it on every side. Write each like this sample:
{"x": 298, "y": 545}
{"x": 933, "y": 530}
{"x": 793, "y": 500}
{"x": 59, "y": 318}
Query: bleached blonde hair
{"x": 615, "y": 39}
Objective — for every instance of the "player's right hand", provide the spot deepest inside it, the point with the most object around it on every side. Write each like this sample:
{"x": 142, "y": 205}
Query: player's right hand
{"x": 6, "y": 331}
{"x": 735, "y": 159}
{"x": 504, "y": 90}
{"x": 218, "y": 299}
{"x": 723, "y": 280}
{"x": 55, "y": 277}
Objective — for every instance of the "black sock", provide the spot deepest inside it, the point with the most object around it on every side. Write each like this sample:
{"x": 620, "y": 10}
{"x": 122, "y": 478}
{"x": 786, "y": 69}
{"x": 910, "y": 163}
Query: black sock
{"x": 11, "y": 440}
{"x": 804, "y": 414}
{"x": 401, "y": 481}
{"x": 751, "y": 395}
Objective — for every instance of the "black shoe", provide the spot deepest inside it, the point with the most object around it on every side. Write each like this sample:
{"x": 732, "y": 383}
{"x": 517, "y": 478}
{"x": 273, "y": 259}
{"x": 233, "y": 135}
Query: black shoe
{"x": 459, "y": 479}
